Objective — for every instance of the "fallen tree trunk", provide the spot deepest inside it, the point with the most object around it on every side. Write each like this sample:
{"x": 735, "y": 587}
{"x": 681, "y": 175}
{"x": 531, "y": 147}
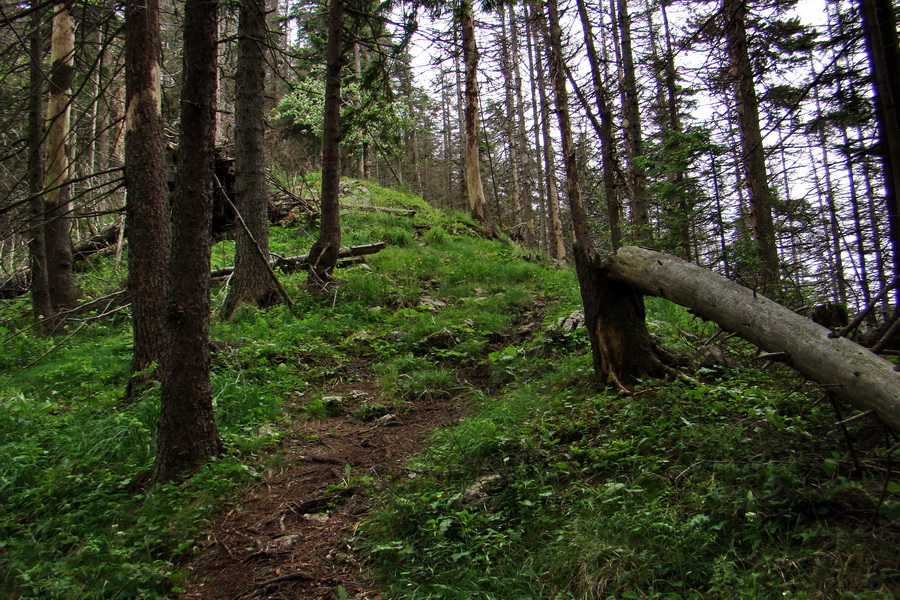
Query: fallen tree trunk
{"x": 19, "y": 282}
{"x": 384, "y": 209}
{"x": 850, "y": 371}
{"x": 293, "y": 263}
{"x": 96, "y": 243}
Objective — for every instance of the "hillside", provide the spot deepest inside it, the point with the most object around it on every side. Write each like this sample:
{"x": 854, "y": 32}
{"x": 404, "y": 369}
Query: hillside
{"x": 730, "y": 481}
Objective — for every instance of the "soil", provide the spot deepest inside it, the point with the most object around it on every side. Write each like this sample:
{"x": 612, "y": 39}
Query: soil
{"x": 288, "y": 536}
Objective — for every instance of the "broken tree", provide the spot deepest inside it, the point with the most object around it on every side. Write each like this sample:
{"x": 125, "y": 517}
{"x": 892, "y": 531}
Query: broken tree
{"x": 850, "y": 371}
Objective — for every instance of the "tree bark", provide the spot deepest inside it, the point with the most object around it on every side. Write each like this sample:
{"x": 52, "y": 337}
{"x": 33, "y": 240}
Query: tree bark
{"x": 252, "y": 282}
{"x": 147, "y": 216}
{"x": 324, "y": 252}
{"x": 605, "y": 133}
{"x": 188, "y": 435}
{"x": 614, "y": 314}
{"x": 631, "y": 125}
{"x": 879, "y": 25}
{"x": 850, "y": 371}
{"x": 524, "y": 157}
{"x": 556, "y": 64}
{"x": 357, "y": 71}
{"x": 518, "y": 230}
{"x": 57, "y": 222}
{"x": 752, "y": 151}
{"x": 555, "y": 228}
{"x": 474, "y": 186}
{"x": 42, "y": 308}
{"x": 678, "y": 201}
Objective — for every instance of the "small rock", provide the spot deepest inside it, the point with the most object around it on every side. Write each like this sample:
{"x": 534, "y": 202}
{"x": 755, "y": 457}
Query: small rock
{"x": 318, "y": 517}
{"x": 483, "y": 487}
{"x": 714, "y": 356}
{"x": 282, "y": 544}
{"x": 431, "y": 304}
{"x": 439, "y": 339}
{"x": 572, "y": 322}
{"x": 388, "y": 420}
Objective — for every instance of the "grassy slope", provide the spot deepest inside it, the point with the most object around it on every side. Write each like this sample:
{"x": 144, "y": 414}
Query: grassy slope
{"x": 731, "y": 488}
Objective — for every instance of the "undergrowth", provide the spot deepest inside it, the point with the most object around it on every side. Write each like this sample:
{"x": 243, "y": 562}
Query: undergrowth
{"x": 75, "y": 522}
{"x": 733, "y": 484}
{"x": 725, "y": 483}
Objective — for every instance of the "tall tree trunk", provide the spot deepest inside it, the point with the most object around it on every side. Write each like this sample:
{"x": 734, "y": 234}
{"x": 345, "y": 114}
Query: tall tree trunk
{"x": 147, "y": 209}
{"x": 324, "y": 253}
{"x": 251, "y": 283}
{"x": 718, "y": 217}
{"x": 461, "y": 116}
{"x": 58, "y": 165}
{"x": 631, "y": 125}
{"x": 857, "y": 219}
{"x": 40, "y": 287}
{"x": 834, "y": 231}
{"x": 874, "y": 225}
{"x": 753, "y": 153}
{"x": 474, "y": 186}
{"x": 412, "y": 136}
{"x": 188, "y": 436}
{"x": 607, "y": 141}
{"x": 87, "y": 159}
{"x": 614, "y": 313}
{"x": 103, "y": 122}
{"x": 682, "y": 221}
{"x": 448, "y": 161}
{"x": 524, "y": 157}
{"x": 555, "y": 227}
{"x": 879, "y": 25}
{"x": 536, "y": 107}
{"x": 357, "y": 71}
{"x": 518, "y": 230}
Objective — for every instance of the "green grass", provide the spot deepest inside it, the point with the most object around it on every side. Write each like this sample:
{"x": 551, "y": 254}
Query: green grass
{"x": 681, "y": 490}
{"x": 729, "y": 483}
{"x": 73, "y": 521}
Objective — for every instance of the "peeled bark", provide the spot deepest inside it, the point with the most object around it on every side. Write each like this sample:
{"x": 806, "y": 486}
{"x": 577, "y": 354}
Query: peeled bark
{"x": 614, "y": 313}
{"x": 147, "y": 216}
{"x": 58, "y": 165}
{"x": 850, "y": 371}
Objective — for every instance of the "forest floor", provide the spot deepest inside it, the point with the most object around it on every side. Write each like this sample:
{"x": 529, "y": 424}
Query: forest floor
{"x": 287, "y": 536}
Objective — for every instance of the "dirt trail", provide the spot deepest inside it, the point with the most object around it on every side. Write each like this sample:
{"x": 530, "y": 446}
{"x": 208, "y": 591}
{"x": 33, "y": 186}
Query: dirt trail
{"x": 286, "y": 536}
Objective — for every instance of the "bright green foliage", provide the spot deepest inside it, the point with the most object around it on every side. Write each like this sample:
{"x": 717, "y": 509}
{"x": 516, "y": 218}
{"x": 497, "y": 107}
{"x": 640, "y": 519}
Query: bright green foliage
{"x": 367, "y": 115}
{"x": 75, "y": 521}
{"x": 682, "y": 490}
{"x": 729, "y": 487}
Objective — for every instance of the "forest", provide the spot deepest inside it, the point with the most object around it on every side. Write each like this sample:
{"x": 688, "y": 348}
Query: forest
{"x": 421, "y": 299}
